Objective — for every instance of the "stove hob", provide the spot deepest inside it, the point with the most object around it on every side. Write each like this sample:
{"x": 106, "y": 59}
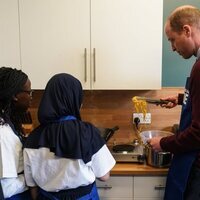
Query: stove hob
{"x": 123, "y": 147}
{"x": 128, "y": 153}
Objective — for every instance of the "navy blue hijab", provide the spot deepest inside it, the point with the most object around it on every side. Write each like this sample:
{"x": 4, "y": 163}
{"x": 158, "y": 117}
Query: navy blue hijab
{"x": 61, "y": 128}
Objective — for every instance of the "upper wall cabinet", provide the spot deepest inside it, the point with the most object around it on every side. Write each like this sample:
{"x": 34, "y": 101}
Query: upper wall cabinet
{"x": 106, "y": 44}
{"x": 9, "y": 34}
{"x": 55, "y": 38}
{"x": 126, "y": 38}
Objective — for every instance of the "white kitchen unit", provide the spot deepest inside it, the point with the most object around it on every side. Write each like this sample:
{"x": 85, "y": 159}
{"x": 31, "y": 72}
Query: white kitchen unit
{"x": 126, "y": 39}
{"x": 106, "y": 44}
{"x": 132, "y": 188}
{"x": 149, "y": 187}
{"x": 55, "y": 38}
{"x": 9, "y": 34}
{"x": 116, "y": 188}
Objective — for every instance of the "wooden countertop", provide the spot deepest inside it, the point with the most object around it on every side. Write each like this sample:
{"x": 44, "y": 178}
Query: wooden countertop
{"x": 137, "y": 169}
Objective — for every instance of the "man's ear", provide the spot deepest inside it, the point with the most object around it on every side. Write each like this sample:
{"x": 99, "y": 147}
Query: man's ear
{"x": 187, "y": 30}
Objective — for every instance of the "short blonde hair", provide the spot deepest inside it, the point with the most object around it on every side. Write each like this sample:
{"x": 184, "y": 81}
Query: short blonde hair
{"x": 183, "y": 15}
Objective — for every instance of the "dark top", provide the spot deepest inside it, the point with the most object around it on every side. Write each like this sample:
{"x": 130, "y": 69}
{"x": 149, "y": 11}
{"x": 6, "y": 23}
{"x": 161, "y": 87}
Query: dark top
{"x": 72, "y": 138}
{"x": 189, "y": 139}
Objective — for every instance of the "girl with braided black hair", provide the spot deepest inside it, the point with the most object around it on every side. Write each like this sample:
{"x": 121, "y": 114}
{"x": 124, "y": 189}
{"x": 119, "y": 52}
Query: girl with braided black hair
{"x": 15, "y": 97}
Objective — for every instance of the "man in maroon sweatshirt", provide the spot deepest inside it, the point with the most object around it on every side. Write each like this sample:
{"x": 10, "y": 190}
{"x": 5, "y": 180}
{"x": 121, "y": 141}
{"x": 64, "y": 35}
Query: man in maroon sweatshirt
{"x": 182, "y": 29}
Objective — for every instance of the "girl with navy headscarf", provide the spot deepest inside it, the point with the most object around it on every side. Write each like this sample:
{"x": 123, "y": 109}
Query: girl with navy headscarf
{"x": 64, "y": 155}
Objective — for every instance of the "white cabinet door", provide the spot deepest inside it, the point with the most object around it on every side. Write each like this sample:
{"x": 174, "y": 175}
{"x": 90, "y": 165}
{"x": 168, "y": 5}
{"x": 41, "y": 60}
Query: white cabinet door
{"x": 106, "y": 44}
{"x": 117, "y": 187}
{"x": 149, "y": 187}
{"x": 127, "y": 40}
{"x": 9, "y": 34}
{"x": 55, "y": 38}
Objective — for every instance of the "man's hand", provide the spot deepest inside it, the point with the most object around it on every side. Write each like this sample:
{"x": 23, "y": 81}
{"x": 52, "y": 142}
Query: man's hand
{"x": 173, "y": 101}
{"x": 155, "y": 143}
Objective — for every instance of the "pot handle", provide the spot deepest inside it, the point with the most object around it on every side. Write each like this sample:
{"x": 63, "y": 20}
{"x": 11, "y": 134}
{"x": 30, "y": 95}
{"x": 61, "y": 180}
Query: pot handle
{"x": 105, "y": 187}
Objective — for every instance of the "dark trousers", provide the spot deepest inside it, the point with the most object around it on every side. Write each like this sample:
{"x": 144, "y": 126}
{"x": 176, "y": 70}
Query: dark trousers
{"x": 22, "y": 196}
{"x": 193, "y": 186}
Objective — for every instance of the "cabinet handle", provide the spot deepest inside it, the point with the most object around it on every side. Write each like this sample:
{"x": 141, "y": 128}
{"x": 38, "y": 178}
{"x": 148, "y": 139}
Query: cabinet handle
{"x": 85, "y": 63}
{"x": 94, "y": 63}
{"x": 159, "y": 187}
{"x": 105, "y": 187}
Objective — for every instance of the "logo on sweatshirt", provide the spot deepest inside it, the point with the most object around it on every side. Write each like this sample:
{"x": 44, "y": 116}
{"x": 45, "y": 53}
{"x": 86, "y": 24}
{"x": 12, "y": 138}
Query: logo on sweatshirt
{"x": 186, "y": 96}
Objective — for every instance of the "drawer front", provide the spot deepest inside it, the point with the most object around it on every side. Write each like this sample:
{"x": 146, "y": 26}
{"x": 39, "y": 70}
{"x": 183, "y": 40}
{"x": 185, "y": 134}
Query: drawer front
{"x": 148, "y": 198}
{"x": 104, "y": 198}
{"x": 120, "y": 187}
{"x": 149, "y": 187}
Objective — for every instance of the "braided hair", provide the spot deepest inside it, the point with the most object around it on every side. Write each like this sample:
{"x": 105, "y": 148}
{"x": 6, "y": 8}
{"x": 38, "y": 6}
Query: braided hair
{"x": 11, "y": 82}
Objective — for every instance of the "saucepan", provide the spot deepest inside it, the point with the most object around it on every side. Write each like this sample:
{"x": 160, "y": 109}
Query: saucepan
{"x": 155, "y": 158}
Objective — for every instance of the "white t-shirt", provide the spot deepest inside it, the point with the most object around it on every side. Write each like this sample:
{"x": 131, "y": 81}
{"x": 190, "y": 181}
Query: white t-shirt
{"x": 11, "y": 162}
{"x": 53, "y": 173}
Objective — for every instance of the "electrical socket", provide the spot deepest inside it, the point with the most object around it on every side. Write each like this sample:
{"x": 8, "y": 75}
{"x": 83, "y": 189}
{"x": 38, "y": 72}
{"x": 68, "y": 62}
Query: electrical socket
{"x": 146, "y": 120}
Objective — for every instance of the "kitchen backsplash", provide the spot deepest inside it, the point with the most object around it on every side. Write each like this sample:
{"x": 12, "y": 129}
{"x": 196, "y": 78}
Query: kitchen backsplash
{"x": 107, "y": 109}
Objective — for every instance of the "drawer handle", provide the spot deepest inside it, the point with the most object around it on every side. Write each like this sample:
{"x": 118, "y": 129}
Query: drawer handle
{"x": 94, "y": 63}
{"x": 159, "y": 187}
{"x": 85, "y": 63}
{"x": 105, "y": 187}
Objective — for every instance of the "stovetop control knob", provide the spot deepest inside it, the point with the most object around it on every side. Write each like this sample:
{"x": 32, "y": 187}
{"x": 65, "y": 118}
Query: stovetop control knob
{"x": 136, "y": 142}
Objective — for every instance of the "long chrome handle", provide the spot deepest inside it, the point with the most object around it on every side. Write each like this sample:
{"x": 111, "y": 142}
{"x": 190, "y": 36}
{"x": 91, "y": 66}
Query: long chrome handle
{"x": 159, "y": 187}
{"x": 106, "y": 187}
{"x": 85, "y": 64}
{"x": 94, "y": 63}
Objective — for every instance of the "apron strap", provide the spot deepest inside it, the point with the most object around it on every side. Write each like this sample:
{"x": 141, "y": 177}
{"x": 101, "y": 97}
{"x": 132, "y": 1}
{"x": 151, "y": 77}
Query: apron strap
{"x": 65, "y": 118}
{"x": 1, "y": 192}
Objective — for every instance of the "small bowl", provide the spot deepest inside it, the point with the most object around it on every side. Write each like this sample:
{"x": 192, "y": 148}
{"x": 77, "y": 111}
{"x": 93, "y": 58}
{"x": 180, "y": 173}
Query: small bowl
{"x": 146, "y": 135}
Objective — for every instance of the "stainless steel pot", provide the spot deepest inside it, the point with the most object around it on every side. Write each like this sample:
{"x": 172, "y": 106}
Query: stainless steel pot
{"x": 156, "y": 159}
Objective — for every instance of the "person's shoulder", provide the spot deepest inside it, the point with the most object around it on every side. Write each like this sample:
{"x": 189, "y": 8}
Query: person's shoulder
{"x": 196, "y": 68}
{"x": 8, "y": 138}
{"x": 33, "y": 138}
{"x": 6, "y": 131}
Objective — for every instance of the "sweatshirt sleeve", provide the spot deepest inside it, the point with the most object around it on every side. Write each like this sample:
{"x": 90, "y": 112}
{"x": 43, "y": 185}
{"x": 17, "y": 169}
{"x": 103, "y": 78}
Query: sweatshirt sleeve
{"x": 189, "y": 139}
{"x": 180, "y": 99}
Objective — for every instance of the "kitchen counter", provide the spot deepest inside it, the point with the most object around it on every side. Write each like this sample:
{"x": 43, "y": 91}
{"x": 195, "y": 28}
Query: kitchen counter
{"x": 137, "y": 169}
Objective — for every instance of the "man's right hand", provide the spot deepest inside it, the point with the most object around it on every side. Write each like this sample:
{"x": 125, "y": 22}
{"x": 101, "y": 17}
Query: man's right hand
{"x": 173, "y": 101}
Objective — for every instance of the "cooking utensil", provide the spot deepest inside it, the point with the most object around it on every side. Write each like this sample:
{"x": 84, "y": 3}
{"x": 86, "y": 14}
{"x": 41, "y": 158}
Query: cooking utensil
{"x": 154, "y": 158}
{"x": 153, "y": 101}
{"x": 107, "y": 133}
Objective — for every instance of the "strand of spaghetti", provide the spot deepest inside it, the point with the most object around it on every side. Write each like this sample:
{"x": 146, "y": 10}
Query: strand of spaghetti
{"x": 140, "y": 105}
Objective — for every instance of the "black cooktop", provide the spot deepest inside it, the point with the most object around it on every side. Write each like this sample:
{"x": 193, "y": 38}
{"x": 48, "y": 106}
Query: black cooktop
{"x": 123, "y": 147}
